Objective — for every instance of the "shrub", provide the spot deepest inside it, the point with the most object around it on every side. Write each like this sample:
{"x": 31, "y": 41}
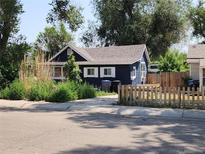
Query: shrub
{"x": 63, "y": 92}
{"x": 86, "y": 91}
{"x": 15, "y": 91}
{"x": 40, "y": 90}
{"x": 173, "y": 61}
{"x": 72, "y": 69}
{"x": 4, "y": 93}
{"x": 36, "y": 90}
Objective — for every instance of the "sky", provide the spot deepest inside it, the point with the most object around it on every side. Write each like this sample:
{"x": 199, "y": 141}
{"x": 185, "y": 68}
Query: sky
{"x": 33, "y": 20}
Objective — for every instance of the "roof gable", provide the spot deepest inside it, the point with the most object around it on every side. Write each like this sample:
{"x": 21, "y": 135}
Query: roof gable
{"x": 79, "y": 51}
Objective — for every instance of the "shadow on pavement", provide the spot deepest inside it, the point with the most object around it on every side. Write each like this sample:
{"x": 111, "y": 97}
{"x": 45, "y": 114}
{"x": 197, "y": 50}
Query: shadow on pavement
{"x": 160, "y": 135}
{"x": 121, "y": 150}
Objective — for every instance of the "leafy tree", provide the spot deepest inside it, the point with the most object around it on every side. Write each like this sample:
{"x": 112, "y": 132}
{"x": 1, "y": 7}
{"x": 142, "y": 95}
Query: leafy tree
{"x": 90, "y": 37}
{"x": 197, "y": 16}
{"x": 53, "y": 39}
{"x": 159, "y": 23}
{"x": 173, "y": 61}
{"x": 72, "y": 70}
{"x": 10, "y": 63}
{"x": 12, "y": 49}
{"x": 9, "y": 19}
{"x": 64, "y": 11}
{"x": 167, "y": 27}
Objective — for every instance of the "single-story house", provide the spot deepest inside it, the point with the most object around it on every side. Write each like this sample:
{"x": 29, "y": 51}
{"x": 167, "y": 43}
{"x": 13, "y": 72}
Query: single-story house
{"x": 125, "y": 63}
{"x": 196, "y": 60}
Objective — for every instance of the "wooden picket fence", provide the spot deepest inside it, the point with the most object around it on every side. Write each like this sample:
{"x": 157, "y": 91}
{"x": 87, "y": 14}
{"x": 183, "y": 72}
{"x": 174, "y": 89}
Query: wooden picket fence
{"x": 154, "y": 96}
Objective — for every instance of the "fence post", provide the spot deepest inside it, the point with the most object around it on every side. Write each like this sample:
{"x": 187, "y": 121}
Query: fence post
{"x": 183, "y": 98}
{"x": 151, "y": 89}
{"x": 174, "y": 95}
{"x": 134, "y": 95}
{"x": 139, "y": 93}
{"x": 156, "y": 92}
{"x": 165, "y": 96}
{"x": 131, "y": 95}
{"x": 147, "y": 102}
{"x": 179, "y": 97}
{"x": 198, "y": 100}
{"x": 122, "y": 94}
{"x": 160, "y": 95}
{"x": 119, "y": 94}
{"x": 143, "y": 96}
{"x": 188, "y": 95}
{"x": 169, "y": 94}
{"x": 126, "y": 94}
{"x": 193, "y": 97}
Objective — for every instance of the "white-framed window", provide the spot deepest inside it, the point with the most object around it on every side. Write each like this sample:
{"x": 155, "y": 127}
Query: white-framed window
{"x": 90, "y": 72}
{"x": 107, "y": 72}
{"x": 134, "y": 73}
{"x": 58, "y": 73}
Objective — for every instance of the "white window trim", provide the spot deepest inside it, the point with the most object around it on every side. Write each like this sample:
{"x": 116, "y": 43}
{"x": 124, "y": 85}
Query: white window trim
{"x": 102, "y": 75}
{"x": 85, "y": 72}
{"x": 135, "y": 73}
{"x": 143, "y": 72}
{"x": 53, "y": 73}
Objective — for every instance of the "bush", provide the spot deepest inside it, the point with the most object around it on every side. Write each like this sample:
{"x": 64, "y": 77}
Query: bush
{"x": 40, "y": 90}
{"x": 15, "y": 91}
{"x": 47, "y": 90}
{"x": 63, "y": 92}
{"x": 4, "y": 94}
{"x": 173, "y": 61}
{"x": 86, "y": 91}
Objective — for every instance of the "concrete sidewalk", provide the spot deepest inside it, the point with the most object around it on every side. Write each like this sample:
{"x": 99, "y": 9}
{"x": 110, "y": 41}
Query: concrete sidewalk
{"x": 42, "y": 105}
{"x": 103, "y": 105}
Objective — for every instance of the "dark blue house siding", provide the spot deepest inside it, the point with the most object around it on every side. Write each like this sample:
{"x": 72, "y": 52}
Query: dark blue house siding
{"x": 122, "y": 73}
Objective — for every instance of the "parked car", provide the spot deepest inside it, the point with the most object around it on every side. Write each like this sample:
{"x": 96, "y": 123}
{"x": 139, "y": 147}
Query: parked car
{"x": 153, "y": 68}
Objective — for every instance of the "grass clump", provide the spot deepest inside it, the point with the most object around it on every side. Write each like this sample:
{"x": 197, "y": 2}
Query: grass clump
{"x": 86, "y": 91}
{"x": 40, "y": 90}
{"x": 15, "y": 91}
{"x": 63, "y": 92}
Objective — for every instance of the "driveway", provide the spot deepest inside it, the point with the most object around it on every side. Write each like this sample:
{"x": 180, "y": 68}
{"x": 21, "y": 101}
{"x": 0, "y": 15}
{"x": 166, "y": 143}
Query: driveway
{"x": 78, "y": 131}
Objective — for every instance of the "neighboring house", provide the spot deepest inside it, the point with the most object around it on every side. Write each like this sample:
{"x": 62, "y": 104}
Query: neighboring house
{"x": 196, "y": 60}
{"x": 125, "y": 63}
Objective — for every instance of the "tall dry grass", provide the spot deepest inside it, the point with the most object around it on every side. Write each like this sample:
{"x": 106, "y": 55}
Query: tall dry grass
{"x": 34, "y": 68}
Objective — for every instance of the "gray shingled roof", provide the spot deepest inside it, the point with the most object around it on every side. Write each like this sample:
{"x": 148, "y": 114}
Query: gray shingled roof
{"x": 196, "y": 52}
{"x": 114, "y": 54}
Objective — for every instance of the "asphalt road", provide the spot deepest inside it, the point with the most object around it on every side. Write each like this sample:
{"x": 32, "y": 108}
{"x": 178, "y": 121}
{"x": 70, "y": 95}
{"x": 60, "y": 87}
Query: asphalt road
{"x": 77, "y": 132}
